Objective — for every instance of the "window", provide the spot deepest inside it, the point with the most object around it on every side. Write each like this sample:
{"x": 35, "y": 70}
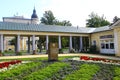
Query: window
{"x": 102, "y": 46}
{"x": 94, "y": 42}
{"x": 107, "y": 46}
{"x": 111, "y": 45}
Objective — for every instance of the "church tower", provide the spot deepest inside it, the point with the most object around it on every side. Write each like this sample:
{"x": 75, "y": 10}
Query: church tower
{"x": 34, "y": 17}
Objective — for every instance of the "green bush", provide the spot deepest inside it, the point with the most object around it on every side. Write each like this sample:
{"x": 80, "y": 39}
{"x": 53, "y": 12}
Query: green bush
{"x": 72, "y": 51}
{"x": 93, "y": 49}
{"x": 60, "y": 50}
{"x": 18, "y": 53}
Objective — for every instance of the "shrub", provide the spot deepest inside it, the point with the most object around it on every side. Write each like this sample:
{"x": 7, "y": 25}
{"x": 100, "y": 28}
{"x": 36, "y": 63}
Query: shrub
{"x": 60, "y": 50}
{"x": 72, "y": 51}
{"x": 93, "y": 49}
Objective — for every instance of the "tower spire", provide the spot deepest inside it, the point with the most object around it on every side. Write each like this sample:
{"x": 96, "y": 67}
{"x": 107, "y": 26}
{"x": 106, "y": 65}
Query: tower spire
{"x": 34, "y": 15}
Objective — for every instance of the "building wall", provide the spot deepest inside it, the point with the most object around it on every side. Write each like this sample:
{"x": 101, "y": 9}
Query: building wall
{"x": 8, "y": 47}
{"x": 17, "y": 20}
{"x": 117, "y": 40}
{"x": 96, "y": 37}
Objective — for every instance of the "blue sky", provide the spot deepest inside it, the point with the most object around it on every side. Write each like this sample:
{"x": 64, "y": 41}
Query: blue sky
{"x": 76, "y": 11}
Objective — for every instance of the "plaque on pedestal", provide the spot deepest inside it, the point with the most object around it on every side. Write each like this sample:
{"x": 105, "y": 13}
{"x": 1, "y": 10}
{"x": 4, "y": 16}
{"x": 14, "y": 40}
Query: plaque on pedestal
{"x": 53, "y": 51}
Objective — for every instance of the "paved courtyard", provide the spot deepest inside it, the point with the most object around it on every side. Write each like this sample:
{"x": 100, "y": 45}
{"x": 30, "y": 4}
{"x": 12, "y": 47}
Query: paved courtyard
{"x": 68, "y": 54}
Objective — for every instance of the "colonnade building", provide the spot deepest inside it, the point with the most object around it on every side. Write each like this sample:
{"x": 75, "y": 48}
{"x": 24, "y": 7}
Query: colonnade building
{"x": 106, "y": 39}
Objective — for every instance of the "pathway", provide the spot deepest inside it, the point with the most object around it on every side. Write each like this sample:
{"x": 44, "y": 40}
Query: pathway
{"x": 70, "y": 54}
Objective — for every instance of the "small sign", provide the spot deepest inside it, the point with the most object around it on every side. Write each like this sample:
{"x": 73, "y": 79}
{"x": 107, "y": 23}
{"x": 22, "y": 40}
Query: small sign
{"x": 106, "y": 36}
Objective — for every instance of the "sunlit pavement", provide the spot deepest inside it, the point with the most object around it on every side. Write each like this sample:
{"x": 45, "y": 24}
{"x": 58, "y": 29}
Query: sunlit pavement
{"x": 68, "y": 54}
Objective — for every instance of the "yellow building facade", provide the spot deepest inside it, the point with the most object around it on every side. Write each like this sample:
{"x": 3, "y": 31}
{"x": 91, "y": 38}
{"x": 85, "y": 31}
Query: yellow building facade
{"x": 106, "y": 39}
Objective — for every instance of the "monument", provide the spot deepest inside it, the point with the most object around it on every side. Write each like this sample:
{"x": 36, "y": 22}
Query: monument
{"x": 53, "y": 51}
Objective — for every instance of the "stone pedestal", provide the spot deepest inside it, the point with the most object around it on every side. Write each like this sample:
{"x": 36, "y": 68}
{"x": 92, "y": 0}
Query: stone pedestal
{"x": 53, "y": 51}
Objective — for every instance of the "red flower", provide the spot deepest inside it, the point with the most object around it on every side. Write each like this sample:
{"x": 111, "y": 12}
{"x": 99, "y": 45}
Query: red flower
{"x": 85, "y": 58}
{"x": 6, "y": 64}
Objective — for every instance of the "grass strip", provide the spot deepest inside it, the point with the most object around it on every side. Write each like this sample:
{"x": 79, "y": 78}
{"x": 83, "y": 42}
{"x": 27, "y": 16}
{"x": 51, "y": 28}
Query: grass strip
{"x": 46, "y": 72}
{"x": 85, "y": 72}
{"x": 117, "y": 73}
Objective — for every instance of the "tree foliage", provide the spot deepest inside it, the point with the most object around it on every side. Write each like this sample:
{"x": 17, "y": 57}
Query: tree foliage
{"x": 49, "y": 19}
{"x": 115, "y": 19}
{"x": 12, "y": 41}
{"x": 96, "y": 21}
{"x": 62, "y": 23}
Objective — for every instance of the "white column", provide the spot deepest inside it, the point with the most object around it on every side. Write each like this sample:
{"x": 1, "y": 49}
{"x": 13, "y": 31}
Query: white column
{"x": 23, "y": 43}
{"x": 70, "y": 43}
{"x": 1, "y": 42}
{"x": 59, "y": 41}
{"x": 33, "y": 42}
{"x": 47, "y": 41}
{"x": 4, "y": 43}
{"x": 18, "y": 43}
{"x": 81, "y": 43}
{"x": 116, "y": 43}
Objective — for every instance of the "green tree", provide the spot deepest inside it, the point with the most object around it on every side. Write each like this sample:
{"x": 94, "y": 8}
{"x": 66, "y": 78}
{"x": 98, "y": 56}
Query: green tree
{"x": 115, "y": 19}
{"x": 62, "y": 23}
{"x": 96, "y": 21}
{"x": 12, "y": 41}
{"x": 65, "y": 42}
{"x": 48, "y": 18}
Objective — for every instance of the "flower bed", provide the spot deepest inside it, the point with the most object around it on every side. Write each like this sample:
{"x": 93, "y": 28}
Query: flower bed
{"x": 92, "y": 58}
{"x": 87, "y": 58}
{"x": 7, "y": 64}
{"x": 18, "y": 70}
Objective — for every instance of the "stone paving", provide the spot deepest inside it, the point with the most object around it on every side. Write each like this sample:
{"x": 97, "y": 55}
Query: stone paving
{"x": 68, "y": 54}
